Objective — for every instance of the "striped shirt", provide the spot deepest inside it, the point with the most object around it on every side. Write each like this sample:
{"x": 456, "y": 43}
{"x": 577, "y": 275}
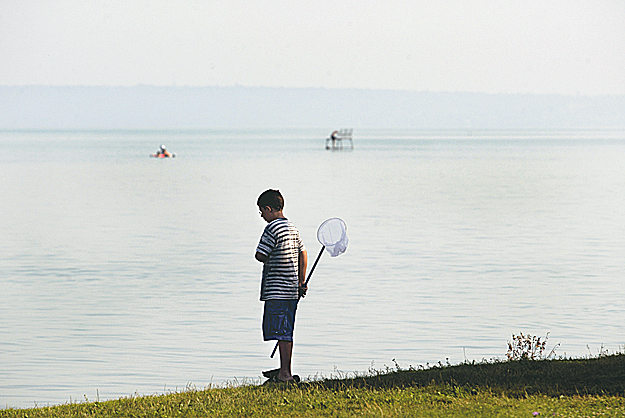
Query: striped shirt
{"x": 281, "y": 243}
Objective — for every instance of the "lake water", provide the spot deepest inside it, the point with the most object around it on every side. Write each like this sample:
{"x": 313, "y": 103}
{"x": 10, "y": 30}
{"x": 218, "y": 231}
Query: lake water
{"x": 122, "y": 274}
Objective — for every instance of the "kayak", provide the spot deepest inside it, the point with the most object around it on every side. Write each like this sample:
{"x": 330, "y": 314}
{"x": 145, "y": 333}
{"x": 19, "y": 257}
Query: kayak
{"x": 162, "y": 156}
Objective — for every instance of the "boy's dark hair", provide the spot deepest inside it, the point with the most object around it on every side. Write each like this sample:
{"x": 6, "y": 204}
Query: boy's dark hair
{"x": 271, "y": 198}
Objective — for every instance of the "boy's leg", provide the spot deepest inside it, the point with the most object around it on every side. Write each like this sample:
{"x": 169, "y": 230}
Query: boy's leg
{"x": 286, "y": 352}
{"x": 278, "y": 323}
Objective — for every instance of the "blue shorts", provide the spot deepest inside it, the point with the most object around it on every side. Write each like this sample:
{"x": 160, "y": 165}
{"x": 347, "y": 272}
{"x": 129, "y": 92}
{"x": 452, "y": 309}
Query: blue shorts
{"x": 279, "y": 319}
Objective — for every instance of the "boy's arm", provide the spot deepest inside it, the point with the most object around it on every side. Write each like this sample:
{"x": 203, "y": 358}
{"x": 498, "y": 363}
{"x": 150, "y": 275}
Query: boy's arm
{"x": 301, "y": 273}
{"x": 261, "y": 257}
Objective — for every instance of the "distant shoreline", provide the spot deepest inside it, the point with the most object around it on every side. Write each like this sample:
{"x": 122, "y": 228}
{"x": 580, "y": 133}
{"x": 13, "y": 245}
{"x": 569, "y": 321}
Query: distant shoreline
{"x": 160, "y": 107}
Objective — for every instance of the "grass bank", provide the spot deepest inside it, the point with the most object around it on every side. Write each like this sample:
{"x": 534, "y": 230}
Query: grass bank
{"x": 526, "y": 388}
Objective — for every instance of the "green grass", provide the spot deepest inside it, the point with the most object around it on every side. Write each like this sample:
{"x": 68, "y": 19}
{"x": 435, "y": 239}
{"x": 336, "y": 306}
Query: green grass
{"x": 561, "y": 388}
{"x": 604, "y": 375}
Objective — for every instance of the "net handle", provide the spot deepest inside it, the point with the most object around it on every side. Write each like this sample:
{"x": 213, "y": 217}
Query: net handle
{"x": 314, "y": 265}
{"x": 273, "y": 353}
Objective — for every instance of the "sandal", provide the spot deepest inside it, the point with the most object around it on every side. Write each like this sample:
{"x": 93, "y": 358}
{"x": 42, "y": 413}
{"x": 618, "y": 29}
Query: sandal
{"x": 275, "y": 379}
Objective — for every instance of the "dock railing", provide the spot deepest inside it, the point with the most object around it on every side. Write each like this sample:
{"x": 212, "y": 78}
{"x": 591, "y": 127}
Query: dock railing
{"x": 335, "y": 140}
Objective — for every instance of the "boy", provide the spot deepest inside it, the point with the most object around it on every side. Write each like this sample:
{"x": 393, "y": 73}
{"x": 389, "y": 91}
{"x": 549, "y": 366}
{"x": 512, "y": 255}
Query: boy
{"x": 284, "y": 261}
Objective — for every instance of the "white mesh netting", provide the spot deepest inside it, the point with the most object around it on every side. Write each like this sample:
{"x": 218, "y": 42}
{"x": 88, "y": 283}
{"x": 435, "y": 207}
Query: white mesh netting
{"x": 332, "y": 234}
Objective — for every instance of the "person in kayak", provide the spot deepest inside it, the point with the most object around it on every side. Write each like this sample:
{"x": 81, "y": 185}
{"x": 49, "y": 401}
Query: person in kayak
{"x": 163, "y": 153}
{"x": 284, "y": 259}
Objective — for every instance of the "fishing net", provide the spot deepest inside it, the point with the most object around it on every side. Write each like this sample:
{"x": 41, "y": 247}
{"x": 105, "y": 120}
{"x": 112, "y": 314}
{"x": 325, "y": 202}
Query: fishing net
{"x": 332, "y": 234}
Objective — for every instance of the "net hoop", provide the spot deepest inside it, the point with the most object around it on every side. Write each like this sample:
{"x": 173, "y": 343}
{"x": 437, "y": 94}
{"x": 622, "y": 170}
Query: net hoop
{"x": 332, "y": 234}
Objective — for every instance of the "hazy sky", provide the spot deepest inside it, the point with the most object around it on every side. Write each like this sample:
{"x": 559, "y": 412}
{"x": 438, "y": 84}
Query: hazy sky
{"x": 528, "y": 46}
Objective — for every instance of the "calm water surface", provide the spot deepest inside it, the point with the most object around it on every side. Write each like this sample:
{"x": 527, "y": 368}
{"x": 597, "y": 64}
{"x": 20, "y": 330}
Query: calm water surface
{"x": 122, "y": 274}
